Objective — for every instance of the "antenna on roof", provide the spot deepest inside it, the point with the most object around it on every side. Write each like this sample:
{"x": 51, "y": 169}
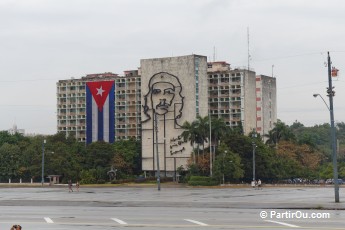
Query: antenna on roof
{"x": 214, "y": 53}
{"x": 248, "y": 48}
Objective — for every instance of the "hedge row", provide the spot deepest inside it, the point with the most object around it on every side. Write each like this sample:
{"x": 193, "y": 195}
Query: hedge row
{"x": 202, "y": 181}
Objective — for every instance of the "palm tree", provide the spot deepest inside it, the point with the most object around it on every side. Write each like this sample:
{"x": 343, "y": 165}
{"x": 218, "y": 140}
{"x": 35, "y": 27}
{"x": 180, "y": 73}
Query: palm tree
{"x": 271, "y": 137}
{"x": 202, "y": 130}
{"x": 196, "y": 132}
{"x": 281, "y": 131}
{"x": 190, "y": 134}
{"x": 218, "y": 130}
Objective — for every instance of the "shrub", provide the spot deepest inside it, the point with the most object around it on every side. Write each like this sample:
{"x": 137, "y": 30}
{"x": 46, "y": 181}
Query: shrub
{"x": 100, "y": 181}
{"x": 202, "y": 181}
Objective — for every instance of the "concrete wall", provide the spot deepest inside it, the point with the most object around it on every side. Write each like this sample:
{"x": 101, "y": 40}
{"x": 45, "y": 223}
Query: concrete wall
{"x": 249, "y": 101}
{"x": 268, "y": 103}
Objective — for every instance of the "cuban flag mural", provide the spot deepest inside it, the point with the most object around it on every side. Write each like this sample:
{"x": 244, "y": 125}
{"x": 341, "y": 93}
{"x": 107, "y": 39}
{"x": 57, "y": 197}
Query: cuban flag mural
{"x": 100, "y": 116}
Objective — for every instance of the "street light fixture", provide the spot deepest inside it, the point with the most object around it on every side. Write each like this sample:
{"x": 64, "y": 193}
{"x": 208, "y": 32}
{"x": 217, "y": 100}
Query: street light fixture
{"x": 316, "y": 95}
{"x": 334, "y": 146}
{"x": 42, "y": 176}
{"x": 334, "y": 152}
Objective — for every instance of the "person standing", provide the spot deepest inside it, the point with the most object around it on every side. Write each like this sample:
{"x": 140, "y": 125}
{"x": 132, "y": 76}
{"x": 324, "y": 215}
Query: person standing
{"x": 259, "y": 184}
{"x": 253, "y": 184}
{"x": 70, "y": 189}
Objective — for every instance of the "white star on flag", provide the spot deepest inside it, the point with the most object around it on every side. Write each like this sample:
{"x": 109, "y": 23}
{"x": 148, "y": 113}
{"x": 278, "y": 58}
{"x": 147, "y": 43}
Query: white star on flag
{"x": 100, "y": 91}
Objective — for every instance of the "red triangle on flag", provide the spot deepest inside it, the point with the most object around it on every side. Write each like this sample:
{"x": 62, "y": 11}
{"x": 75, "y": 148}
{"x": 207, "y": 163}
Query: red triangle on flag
{"x": 100, "y": 91}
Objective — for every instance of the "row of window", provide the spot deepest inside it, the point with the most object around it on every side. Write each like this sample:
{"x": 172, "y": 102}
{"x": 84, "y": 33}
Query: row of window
{"x": 128, "y": 126}
{"x": 197, "y": 86}
{"x": 125, "y": 80}
{"x": 71, "y": 95}
{"x": 136, "y": 114}
{"x": 123, "y": 92}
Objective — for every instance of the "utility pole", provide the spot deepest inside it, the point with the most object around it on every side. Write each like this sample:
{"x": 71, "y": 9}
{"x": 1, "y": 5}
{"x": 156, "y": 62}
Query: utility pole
{"x": 254, "y": 146}
{"x": 42, "y": 176}
{"x": 211, "y": 158}
{"x": 157, "y": 154}
{"x": 334, "y": 146}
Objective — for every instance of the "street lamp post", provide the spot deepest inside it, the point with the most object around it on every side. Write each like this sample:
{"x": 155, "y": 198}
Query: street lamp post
{"x": 224, "y": 153}
{"x": 157, "y": 154}
{"x": 334, "y": 146}
{"x": 210, "y": 140}
{"x": 254, "y": 146}
{"x": 42, "y": 176}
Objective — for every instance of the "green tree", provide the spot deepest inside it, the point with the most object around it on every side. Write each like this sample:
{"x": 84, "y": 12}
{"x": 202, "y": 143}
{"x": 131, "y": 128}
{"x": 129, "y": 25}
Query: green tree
{"x": 218, "y": 130}
{"x": 281, "y": 131}
{"x": 190, "y": 133}
{"x": 10, "y": 161}
{"x": 127, "y": 157}
{"x": 227, "y": 163}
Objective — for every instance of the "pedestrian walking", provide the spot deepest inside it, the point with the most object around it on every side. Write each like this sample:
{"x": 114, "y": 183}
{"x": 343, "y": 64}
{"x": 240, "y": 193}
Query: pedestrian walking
{"x": 259, "y": 184}
{"x": 77, "y": 186}
{"x": 70, "y": 189}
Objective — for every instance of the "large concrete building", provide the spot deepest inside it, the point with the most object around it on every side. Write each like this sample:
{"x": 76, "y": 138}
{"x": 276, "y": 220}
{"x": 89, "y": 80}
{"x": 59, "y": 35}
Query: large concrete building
{"x": 71, "y": 105}
{"x": 232, "y": 95}
{"x": 174, "y": 90}
{"x": 266, "y": 104}
{"x": 128, "y": 106}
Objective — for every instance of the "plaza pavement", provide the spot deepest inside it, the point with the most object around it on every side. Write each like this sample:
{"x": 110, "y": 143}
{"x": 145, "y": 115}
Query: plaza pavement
{"x": 175, "y": 195}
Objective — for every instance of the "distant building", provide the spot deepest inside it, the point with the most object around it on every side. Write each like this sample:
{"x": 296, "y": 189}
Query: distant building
{"x": 266, "y": 104}
{"x": 15, "y": 130}
{"x": 128, "y": 106}
{"x": 71, "y": 105}
{"x": 173, "y": 90}
{"x": 232, "y": 95}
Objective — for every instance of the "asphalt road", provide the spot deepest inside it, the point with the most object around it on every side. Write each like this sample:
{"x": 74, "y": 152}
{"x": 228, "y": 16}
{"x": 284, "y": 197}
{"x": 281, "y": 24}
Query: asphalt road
{"x": 171, "y": 208}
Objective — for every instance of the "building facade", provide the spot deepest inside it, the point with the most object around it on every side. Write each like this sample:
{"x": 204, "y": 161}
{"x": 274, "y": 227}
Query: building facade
{"x": 174, "y": 90}
{"x": 266, "y": 104}
{"x": 153, "y": 102}
{"x": 232, "y": 95}
{"x": 71, "y": 105}
{"x": 15, "y": 130}
{"x": 128, "y": 106}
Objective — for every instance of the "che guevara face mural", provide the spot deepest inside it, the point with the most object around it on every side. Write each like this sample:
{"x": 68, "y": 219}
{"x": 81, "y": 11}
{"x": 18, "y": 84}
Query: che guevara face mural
{"x": 164, "y": 97}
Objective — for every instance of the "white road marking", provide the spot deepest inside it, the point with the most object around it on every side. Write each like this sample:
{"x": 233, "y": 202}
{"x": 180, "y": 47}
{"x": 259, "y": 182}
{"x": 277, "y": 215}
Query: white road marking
{"x": 282, "y": 223}
{"x": 118, "y": 221}
{"x": 48, "y": 220}
{"x": 196, "y": 222}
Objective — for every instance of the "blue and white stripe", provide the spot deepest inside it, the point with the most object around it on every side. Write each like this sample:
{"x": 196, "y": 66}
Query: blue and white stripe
{"x": 100, "y": 125}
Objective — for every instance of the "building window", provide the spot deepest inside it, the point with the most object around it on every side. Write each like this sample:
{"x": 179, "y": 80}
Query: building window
{"x": 196, "y": 76}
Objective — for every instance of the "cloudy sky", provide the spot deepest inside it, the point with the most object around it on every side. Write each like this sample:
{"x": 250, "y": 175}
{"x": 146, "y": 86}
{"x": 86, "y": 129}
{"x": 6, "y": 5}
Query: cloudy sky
{"x": 43, "y": 41}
